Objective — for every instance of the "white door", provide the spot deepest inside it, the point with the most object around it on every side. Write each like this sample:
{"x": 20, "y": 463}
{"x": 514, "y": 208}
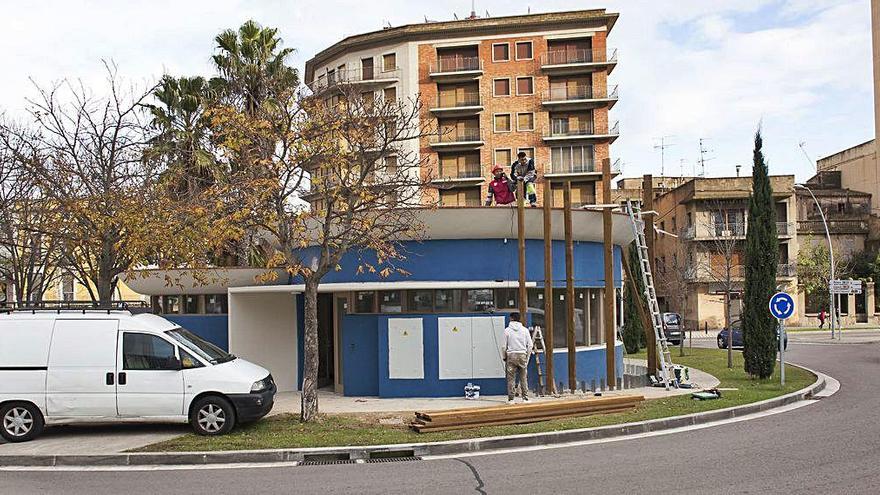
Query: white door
{"x": 80, "y": 377}
{"x": 150, "y": 382}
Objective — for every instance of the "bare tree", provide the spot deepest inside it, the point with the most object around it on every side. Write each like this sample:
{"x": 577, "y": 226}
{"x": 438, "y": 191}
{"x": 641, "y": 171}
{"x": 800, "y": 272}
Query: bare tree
{"x": 30, "y": 252}
{"x": 95, "y": 174}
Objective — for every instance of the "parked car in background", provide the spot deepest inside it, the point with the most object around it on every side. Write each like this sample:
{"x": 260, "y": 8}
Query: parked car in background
{"x": 723, "y": 335}
{"x": 64, "y": 367}
{"x": 673, "y": 328}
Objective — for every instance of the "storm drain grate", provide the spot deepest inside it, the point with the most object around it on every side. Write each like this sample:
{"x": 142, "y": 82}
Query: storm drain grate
{"x": 328, "y": 462}
{"x": 392, "y": 459}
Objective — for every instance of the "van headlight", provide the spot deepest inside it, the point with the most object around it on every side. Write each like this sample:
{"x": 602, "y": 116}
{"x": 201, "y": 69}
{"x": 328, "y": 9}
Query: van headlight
{"x": 261, "y": 385}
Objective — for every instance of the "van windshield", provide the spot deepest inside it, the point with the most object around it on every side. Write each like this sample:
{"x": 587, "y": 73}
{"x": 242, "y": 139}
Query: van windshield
{"x": 671, "y": 319}
{"x": 204, "y": 349}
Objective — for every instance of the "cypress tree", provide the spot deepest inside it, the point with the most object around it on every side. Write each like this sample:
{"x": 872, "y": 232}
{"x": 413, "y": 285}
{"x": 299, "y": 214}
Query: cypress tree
{"x": 762, "y": 257}
{"x": 633, "y": 330}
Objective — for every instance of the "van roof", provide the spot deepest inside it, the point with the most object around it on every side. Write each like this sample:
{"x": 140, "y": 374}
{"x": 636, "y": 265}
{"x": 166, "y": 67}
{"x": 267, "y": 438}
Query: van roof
{"x": 145, "y": 321}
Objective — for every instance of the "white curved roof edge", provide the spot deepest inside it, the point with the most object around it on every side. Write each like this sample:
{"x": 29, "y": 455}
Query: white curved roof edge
{"x": 401, "y": 285}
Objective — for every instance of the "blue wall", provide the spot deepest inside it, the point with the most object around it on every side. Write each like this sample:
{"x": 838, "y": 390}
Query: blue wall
{"x": 479, "y": 260}
{"x": 213, "y": 328}
{"x": 365, "y": 362}
{"x": 590, "y": 365}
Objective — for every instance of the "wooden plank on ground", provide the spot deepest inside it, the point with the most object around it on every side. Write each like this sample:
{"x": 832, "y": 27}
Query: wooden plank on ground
{"x": 428, "y": 428}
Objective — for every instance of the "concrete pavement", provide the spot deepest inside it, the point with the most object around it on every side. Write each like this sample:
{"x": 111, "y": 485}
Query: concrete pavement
{"x": 829, "y": 447}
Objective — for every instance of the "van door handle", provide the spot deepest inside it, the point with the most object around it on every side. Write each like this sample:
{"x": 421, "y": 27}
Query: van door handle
{"x": 110, "y": 378}
{"x": 122, "y": 379}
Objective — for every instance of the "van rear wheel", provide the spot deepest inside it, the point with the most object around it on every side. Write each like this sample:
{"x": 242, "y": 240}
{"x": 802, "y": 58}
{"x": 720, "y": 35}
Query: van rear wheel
{"x": 20, "y": 421}
{"x": 212, "y": 416}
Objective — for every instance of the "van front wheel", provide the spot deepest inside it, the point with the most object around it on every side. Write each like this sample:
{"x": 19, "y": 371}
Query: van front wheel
{"x": 20, "y": 421}
{"x": 212, "y": 416}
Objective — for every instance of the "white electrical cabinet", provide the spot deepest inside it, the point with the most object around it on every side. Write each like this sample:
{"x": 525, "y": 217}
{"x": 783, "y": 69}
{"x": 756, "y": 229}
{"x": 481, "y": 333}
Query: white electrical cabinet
{"x": 470, "y": 347}
{"x": 406, "y": 350}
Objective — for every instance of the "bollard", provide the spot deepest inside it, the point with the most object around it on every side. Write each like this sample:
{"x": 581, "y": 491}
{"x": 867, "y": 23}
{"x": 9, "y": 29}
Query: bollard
{"x": 561, "y": 388}
{"x": 627, "y": 383}
{"x": 602, "y": 384}
{"x": 593, "y": 384}
{"x": 619, "y": 383}
{"x": 583, "y": 386}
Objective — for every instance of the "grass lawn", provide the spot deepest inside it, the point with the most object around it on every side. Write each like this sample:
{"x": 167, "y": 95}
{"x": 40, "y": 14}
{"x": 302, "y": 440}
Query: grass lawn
{"x": 828, "y": 330}
{"x": 285, "y": 431}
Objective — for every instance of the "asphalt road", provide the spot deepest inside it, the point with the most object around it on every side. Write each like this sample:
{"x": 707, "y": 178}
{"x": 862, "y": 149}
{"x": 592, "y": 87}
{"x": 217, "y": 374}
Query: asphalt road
{"x": 832, "y": 446}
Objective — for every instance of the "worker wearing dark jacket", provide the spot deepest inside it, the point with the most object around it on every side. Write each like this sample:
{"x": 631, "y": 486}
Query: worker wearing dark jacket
{"x": 499, "y": 188}
{"x": 523, "y": 169}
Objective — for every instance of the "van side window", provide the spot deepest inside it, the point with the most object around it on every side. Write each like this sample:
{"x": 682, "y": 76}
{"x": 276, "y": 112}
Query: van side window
{"x": 188, "y": 362}
{"x": 142, "y": 351}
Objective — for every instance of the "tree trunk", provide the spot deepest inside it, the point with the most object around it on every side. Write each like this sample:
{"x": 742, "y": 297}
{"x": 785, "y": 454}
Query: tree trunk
{"x": 310, "y": 360}
{"x": 727, "y": 324}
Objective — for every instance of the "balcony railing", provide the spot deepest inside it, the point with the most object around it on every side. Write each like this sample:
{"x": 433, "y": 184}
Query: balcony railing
{"x": 457, "y": 64}
{"x": 456, "y": 136}
{"x": 785, "y": 229}
{"x": 353, "y": 76}
{"x": 834, "y": 226}
{"x": 588, "y": 166}
{"x": 718, "y": 272}
{"x": 580, "y": 93}
{"x": 786, "y": 270}
{"x": 473, "y": 172}
{"x": 572, "y": 57}
{"x": 584, "y": 130}
{"x": 459, "y": 101}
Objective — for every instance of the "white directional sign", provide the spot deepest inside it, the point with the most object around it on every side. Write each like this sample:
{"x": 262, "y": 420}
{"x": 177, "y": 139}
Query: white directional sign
{"x": 846, "y": 286}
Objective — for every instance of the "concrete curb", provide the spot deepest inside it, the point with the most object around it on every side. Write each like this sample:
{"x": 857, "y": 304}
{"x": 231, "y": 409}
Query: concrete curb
{"x": 414, "y": 449}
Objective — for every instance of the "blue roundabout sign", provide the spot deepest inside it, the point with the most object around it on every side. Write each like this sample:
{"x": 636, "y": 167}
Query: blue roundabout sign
{"x": 781, "y": 306}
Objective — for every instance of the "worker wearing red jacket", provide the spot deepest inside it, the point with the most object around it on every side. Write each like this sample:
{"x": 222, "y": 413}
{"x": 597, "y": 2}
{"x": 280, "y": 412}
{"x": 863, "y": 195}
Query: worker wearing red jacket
{"x": 499, "y": 188}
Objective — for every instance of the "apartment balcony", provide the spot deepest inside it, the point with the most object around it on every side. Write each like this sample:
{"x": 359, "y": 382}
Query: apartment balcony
{"x": 458, "y": 106}
{"x": 466, "y": 176}
{"x": 363, "y": 79}
{"x": 569, "y": 62}
{"x": 580, "y": 97}
{"x": 563, "y": 169}
{"x": 786, "y": 229}
{"x": 456, "y": 69}
{"x": 587, "y": 132}
{"x": 737, "y": 231}
{"x": 816, "y": 227}
{"x": 717, "y": 273}
{"x": 456, "y": 139}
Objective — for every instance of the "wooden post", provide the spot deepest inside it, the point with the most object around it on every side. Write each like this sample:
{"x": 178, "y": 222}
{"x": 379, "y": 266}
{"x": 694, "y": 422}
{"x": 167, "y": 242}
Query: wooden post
{"x": 610, "y": 318}
{"x": 548, "y": 291}
{"x": 521, "y": 234}
{"x": 569, "y": 289}
{"x": 648, "y": 205}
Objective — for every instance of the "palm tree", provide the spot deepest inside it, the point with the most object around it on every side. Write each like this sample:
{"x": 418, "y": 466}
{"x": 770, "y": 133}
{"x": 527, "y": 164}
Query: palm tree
{"x": 252, "y": 66}
{"x": 183, "y": 133}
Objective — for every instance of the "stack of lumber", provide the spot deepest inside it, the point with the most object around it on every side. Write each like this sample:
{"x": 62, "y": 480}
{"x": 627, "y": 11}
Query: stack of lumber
{"x": 456, "y": 419}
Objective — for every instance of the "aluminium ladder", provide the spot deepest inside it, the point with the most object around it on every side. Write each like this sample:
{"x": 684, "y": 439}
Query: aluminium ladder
{"x": 664, "y": 356}
{"x": 538, "y": 337}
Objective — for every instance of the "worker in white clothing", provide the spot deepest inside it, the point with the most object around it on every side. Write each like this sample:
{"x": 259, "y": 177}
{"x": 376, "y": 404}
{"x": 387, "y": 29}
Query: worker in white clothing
{"x": 517, "y": 349}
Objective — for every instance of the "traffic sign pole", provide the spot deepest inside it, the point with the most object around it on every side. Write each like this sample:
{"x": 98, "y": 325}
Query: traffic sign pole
{"x": 781, "y": 324}
{"x": 781, "y": 307}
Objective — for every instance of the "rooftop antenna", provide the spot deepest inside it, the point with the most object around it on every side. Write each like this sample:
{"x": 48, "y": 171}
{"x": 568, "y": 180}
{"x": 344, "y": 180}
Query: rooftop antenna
{"x": 455, "y": 15}
{"x": 703, "y": 158}
{"x": 681, "y": 167}
{"x": 664, "y": 143}
{"x": 803, "y": 146}
{"x": 738, "y": 167}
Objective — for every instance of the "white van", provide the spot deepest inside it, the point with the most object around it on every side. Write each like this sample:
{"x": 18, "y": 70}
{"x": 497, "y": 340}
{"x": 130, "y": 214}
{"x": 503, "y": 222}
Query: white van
{"x": 63, "y": 367}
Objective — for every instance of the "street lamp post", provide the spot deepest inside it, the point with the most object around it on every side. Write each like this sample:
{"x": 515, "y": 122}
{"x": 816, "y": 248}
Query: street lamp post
{"x": 830, "y": 255}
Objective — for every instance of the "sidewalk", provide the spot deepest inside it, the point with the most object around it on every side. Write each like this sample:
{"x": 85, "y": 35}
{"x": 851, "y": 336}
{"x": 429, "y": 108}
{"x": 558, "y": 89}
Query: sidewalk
{"x": 112, "y": 439}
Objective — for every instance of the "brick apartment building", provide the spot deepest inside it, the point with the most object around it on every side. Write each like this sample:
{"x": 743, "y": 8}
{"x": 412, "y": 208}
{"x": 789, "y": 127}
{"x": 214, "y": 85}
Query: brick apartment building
{"x": 492, "y": 87}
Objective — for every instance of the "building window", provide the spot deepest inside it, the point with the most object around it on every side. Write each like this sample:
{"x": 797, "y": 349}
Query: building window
{"x": 502, "y": 122}
{"x": 67, "y": 291}
{"x": 582, "y": 194}
{"x": 216, "y": 304}
{"x": 364, "y": 302}
{"x": 572, "y": 159}
{"x": 525, "y": 86}
{"x": 506, "y": 298}
{"x": 479, "y": 300}
{"x": 420, "y": 301}
{"x": 501, "y": 52}
{"x": 367, "y": 72}
{"x": 171, "y": 304}
{"x": 501, "y": 87}
{"x": 390, "y": 301}
{"x": 465, "y": 196}
{"x": 530, "y": 152}
{"x": 460, "y": 165}
{"x": 391, "y": 165}
{"x": 503, "y": 157}
{"x": 191, "y": 305}
{"x": 389, "y": 62}
{"x": 525, "y": 121}
{"x": 447, "y": 301}
{"x": 390, "y": 95}
{"x": 369, "y": 99}
{"x": 524, "y": 50}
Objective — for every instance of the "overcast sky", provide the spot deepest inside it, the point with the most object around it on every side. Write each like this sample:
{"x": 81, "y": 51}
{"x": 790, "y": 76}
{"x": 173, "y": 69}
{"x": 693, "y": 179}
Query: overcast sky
{"x": 688, "y": 68}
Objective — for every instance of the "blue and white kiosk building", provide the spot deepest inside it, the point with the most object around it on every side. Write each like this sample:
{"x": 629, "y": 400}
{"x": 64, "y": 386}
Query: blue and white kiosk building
{"x": 426, "y": 334}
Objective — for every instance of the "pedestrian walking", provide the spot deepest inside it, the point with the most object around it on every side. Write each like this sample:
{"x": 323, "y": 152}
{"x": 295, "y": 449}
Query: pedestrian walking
{"x": 822, "y": 317}
{"x": 517, "y": 349}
